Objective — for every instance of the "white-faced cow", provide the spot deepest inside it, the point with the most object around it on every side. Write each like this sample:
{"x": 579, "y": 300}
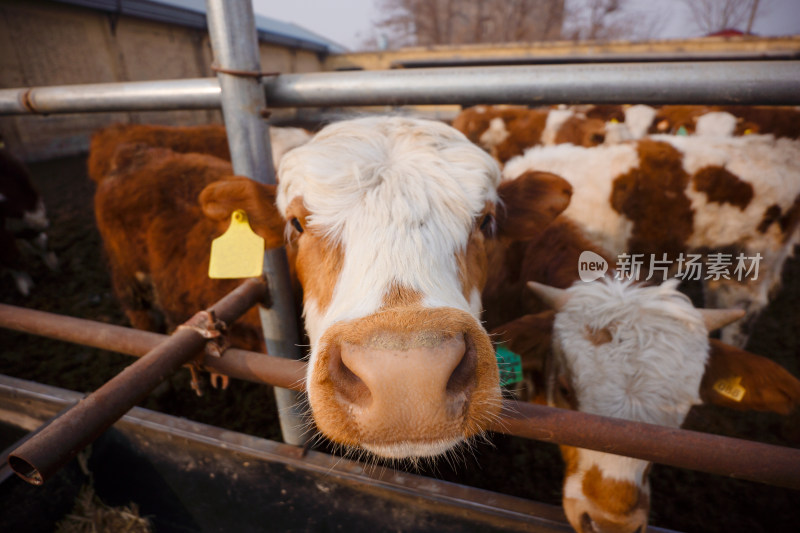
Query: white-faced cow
{"x": 387, "y": 219}
{"x": 639, "y": 353}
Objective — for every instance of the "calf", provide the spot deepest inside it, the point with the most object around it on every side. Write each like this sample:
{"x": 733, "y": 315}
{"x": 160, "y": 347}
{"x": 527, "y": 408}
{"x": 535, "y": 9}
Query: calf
{"x": 670, "y": 198}
{"x": 157, "y": 240}
{"x": 388, "y": 220}
{"x": 640, "y": 353}
{"x": 23, "y": 221}
{"x": 743, "y": 120}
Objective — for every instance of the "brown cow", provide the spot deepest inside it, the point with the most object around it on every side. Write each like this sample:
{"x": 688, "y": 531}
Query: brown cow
{"x": 209, "y": 139}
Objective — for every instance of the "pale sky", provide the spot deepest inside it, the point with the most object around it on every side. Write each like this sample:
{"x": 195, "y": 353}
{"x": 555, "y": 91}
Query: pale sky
{"x": 349, "y": 22}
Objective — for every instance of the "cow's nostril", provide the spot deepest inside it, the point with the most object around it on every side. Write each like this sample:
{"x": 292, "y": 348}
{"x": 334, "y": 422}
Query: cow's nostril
{"x": 463, "y": 376}
{"x": 346, "y": 383}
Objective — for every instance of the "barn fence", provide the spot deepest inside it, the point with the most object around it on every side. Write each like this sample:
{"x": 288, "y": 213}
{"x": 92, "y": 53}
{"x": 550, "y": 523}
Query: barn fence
{"x": 242, "y": 92}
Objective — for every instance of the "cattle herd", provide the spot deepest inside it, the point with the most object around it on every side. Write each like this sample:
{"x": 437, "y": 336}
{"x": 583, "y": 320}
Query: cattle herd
{"x": 417, "y": 247}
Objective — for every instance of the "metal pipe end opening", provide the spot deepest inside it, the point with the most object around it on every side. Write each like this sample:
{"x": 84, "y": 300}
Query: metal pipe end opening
{"x": 25, "y": 470}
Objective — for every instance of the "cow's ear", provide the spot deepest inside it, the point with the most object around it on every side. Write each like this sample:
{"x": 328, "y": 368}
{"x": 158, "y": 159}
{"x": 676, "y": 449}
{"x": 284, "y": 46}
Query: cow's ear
{"x": 221, "y": 198}
{"x": 529, "y": 203}
{"x": 529, "y": 337}
{"x": 742, "y": 380}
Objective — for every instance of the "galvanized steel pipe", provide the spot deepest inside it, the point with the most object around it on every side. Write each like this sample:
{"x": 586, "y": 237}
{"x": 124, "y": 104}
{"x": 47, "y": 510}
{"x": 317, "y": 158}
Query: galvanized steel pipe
{"x": 233, "y": 37}
{"x": 197, "y": 93}
{"x": 723, "y": 82}
{"x": 40, "y": 457}
{"x": 745, "y": 82}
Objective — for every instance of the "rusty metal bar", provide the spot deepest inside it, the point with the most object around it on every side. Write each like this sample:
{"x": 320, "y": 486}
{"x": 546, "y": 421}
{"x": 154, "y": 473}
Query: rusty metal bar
{"x": 714, "y": 454}
{"x": 737, "y": 458}
{"x": 240, "y": 364}
{"x": 41, "y": 456}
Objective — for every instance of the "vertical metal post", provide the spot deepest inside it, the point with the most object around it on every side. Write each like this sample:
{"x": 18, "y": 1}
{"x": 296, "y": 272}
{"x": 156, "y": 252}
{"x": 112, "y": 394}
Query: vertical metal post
{"x": 231, "y": 26}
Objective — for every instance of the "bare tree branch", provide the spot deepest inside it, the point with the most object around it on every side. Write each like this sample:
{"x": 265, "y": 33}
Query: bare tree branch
{"x": 711, "y": 16}
{"x": 432, "y": 22}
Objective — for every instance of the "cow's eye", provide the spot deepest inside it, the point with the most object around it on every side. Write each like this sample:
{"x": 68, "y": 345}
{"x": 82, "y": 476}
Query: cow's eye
{"x": 487, "y": 223}
{"x": 564, "y": 388}
{"x": 297, "y": 225}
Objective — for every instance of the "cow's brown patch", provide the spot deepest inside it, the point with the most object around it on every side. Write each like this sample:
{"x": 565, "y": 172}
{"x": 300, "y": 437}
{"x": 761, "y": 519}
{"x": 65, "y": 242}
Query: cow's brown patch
{"x": 722, "y": 186}
{"x": 570, "y": 456}
{"x": 787, "y": 221}
{"x": 399, "y": 296}
{"x": 473, "y": 265}
{"x": 318, "y": 265}
{"x": 524, "y": 131}
{"x": 652, "y": 196}
{"x": 597, "y": 337}
{"x": 611, "y": 495}
{"x": 779, "y": 121}
{"x": 791, "y": 219}
{"x": 670, "y": 118}
{"x": 607, "y": 112}
{"x": 772, "y": 214}
{"x": 582, "y": 131}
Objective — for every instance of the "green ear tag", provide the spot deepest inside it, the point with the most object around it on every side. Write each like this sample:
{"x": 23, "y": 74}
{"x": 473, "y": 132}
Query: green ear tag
{"x": 237, "y": 253}
{"x": 682, "y": 132}
{"x": 510, "y": 366}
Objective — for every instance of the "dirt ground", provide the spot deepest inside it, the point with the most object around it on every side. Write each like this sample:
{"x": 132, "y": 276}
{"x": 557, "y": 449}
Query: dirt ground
{"x": 682, "y": 500}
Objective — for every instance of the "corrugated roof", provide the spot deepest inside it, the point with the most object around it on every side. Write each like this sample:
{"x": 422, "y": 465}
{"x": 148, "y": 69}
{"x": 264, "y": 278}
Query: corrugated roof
{"x": 192, "y": 13}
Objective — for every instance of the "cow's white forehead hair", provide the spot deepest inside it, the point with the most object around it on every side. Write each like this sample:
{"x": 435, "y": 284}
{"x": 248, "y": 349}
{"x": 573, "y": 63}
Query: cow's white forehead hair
{"x": 400, "y": 195}
{"x": 651, "y": 369}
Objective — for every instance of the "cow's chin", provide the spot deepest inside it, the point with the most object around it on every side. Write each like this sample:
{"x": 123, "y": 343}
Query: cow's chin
{"x": 412, "y": 450}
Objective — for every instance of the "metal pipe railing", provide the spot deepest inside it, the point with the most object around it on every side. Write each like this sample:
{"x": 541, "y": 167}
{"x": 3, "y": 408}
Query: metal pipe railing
{"x": 747, "y": 82}
{"x": 714, "y": 454}
{"x": 728, "y": 82}
{"x": 39, "y": 458}
{"x": 240, "y": 364}
{"x": 726, "y": 456}
{"x": 195, "y": 93}
{"x": 233, "y": 38}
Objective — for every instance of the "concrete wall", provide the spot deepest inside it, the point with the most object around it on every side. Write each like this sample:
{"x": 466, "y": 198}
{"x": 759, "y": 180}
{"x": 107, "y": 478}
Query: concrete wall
{"x": 48, "y": 43}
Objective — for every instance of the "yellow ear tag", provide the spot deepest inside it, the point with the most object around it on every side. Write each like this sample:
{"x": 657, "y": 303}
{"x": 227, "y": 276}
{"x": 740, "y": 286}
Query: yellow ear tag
{"x": 237, "y": 253}
{"x": 730, "y": 388}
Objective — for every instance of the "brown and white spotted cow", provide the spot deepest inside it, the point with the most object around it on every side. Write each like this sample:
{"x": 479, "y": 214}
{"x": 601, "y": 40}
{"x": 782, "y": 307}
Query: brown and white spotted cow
{"x": 507, "y": 131}
{"x": 639, "y": 353}
{"x": 688, "y": 196}
{"x": 732, "y": 120}
{"x": 388, "y": 220}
